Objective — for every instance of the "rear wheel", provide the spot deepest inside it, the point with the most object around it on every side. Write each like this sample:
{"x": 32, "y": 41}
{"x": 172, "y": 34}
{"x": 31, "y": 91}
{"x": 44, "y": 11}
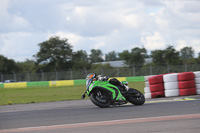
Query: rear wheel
{"x": 135, "y": 97}
{"x": 100, "y": 99}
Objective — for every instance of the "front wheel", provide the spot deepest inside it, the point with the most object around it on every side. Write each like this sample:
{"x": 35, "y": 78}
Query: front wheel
{"x": 100, "y": 99}
{"x": 135, "y": 97}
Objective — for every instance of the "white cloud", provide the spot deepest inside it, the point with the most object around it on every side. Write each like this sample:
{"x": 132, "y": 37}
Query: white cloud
{"x": 68, "y": 18}
{"x": 106, "y": 25}
{"x": 99, "y": 45}
{"x": 11, "y": 21}
{"x": 132, "y": 21}
{"x": 3, "y": 8}
{"x": 155, "y": 41}
{"x": 196, "y": 45}
{"x": 73, "y": 39}
{"x": 181, "y": 44}
{"x": 20, "y": 45}
{"x": 191, "y": 7}
{"x": 18, "y": 23}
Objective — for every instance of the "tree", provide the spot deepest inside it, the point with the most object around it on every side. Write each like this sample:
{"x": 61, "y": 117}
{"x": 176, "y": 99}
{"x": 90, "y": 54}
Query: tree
{"x": 54, "y": 53}
{"x": 135, "y": 57}
{"x": 7, "y": 66}
{"x": 198, "y": 58}
{"x": 138, "y": 55}
{"x": 26, "y": 66}
{"x": 187, "y": 53}
{"x": 111, "y": 56}
{"x": 125, "y": 55}
{"x": 158, "y": 57}
{"x": 171, "y": 56}
{"x": 80, "y": 60}
{"x": 168, "y": 56}
{"x": 96, "y": 55}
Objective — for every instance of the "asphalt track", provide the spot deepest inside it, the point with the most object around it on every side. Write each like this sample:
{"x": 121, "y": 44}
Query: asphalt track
{"x": 166, "y": 115}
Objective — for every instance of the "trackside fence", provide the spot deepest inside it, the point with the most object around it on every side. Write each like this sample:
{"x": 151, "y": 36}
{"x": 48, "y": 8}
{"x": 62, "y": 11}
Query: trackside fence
{"x": 81, "y": 74}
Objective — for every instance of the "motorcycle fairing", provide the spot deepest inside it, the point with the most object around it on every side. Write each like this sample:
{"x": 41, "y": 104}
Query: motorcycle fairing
{"x": 114, "y": 92}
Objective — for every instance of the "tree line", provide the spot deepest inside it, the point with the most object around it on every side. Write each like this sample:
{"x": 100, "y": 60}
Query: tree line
{"x": 56, "y": 54}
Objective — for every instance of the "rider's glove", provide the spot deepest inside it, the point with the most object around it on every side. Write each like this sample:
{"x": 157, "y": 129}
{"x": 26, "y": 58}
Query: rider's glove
{"x": 101, "y": 78}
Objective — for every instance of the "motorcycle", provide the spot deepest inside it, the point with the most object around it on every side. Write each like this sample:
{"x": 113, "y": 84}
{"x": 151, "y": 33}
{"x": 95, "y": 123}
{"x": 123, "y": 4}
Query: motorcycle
{"x": 103, "y": 92}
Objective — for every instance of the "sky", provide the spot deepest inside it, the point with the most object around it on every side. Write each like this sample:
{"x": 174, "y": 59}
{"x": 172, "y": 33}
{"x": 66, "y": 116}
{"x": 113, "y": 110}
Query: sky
{"x": 108, "y": 25}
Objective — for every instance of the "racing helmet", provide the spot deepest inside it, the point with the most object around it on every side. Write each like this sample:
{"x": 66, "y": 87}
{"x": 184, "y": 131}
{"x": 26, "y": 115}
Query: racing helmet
{"x": 91, "y": 76}
{"x": 89, "y": 79}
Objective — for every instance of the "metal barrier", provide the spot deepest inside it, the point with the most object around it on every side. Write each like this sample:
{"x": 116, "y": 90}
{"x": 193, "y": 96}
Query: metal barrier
{"x": 81, "y": 74}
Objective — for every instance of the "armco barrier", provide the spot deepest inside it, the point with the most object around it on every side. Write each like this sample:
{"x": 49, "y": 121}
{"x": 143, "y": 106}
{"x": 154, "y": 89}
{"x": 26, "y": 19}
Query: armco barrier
{"x": 15, "y": 85}
{"x": 120, "y": 78}
{"x": 135, "y": 79}
{"x": 62, "y": 82}
{"x": 1, "y": 85}
{"x": 80, "y": 82}
{"x": 35, "y": 84}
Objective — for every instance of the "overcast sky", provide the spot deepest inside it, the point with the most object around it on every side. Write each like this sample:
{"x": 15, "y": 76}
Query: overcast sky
{"x": 98, "y": 24}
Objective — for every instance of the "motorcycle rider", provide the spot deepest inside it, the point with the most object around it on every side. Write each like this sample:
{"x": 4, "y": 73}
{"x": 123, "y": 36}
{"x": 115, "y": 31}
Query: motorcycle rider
{"x": 113, "y": 81}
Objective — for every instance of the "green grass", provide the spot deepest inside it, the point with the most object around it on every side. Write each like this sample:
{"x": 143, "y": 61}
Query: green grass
{"x": 9, "y": 96}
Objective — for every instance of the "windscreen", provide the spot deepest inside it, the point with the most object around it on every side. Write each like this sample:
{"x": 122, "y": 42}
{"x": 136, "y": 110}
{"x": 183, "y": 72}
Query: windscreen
{"x": 88, "y": 82}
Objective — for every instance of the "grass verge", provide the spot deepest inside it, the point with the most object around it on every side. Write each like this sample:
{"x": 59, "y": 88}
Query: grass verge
{"x": 11, "y": 96}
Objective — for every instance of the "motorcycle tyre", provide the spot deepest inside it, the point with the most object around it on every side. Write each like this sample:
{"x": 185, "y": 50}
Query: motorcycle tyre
{"x": 134, "y": 100}
{"x": 98, "y": 103}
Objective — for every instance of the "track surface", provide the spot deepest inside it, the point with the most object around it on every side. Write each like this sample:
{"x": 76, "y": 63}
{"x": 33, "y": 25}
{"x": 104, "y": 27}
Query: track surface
{"x": 82, "y": 116}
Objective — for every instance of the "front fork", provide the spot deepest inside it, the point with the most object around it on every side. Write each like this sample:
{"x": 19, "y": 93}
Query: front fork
{"x": 83, "y": 96}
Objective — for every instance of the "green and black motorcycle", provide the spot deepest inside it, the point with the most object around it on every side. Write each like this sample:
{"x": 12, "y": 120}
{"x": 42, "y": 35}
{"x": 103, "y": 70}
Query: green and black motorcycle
{"x": 104, "y": 92}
